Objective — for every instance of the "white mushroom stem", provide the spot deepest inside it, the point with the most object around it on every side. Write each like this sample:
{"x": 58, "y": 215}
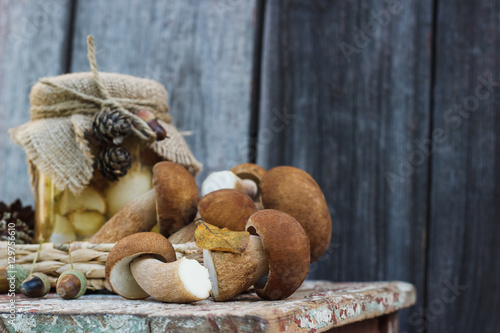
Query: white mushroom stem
{"x": 227, "y": 179}
{"x": 231, "y": 274}
{"x": 181, "y": 281}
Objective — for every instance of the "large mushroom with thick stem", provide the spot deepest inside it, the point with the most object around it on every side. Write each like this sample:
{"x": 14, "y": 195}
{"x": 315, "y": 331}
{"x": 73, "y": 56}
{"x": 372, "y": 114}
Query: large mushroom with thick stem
{"x": 144, "y": 264}
{"x": 276, "y": 260}
{"x": 294, "y": 191}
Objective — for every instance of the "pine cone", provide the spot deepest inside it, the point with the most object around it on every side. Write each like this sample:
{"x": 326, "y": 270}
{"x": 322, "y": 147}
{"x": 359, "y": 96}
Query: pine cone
{"x": 22, "y": 217}
{"x": 111, "y": 126}
{"x": 114, "y": 162}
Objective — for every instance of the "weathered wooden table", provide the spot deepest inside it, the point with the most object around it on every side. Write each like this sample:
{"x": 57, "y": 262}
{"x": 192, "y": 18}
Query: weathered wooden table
{"x": 317, "y": 306}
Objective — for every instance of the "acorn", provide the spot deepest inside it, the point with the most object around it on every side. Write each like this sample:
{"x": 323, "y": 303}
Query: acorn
{"x": 71, "y": 284}
{"x": 36, "y": 284}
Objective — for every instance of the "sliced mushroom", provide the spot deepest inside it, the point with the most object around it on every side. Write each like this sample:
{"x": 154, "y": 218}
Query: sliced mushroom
{"x": 143, "y": 265}
{"x": 282, "y": 250}
{"x": 295, "y": 192}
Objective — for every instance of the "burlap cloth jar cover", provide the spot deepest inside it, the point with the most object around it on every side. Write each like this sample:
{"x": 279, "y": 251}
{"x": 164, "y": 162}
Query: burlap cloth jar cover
{"x": 56, "y": 140}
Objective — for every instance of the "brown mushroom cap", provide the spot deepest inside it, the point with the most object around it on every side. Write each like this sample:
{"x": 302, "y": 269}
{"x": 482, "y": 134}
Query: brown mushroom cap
{"x": 117, "y": 269}
{"x": 294, "y": 191}
{"x": 287, "y": 249}
{"x": 176, "y": 196}
{"x": 226, "y": 208}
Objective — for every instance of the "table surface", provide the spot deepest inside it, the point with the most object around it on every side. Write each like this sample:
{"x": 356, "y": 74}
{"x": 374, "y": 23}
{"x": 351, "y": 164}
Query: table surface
{"x": 317, "y": 306}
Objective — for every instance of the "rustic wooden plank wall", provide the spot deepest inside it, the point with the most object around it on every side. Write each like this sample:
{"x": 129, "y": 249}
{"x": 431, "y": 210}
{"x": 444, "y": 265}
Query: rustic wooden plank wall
{"x": 464, "y": 234}
{"x": 33, "y": 43}
{"x": 349, "y": 116}
{"x": 358, "y": 93}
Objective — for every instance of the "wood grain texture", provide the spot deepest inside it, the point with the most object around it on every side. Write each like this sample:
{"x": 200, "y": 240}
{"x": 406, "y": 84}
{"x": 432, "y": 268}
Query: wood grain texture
{"x": 33, "y": 40}
{"x": 348, "y": 121}
{"x": 201, "y": 52}
{"x": 317, "y": 306}
{"x": 464, "y": 237}
{"x": 384, "y": 324}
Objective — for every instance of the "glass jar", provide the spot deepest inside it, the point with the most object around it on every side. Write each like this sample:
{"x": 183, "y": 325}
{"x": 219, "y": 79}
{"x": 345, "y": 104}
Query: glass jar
{"x": 62, "y": 217}
{"x": 58, "y": 139}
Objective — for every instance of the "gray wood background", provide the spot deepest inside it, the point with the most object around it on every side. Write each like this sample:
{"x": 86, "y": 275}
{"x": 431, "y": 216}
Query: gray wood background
{"x": 390, "y": 105}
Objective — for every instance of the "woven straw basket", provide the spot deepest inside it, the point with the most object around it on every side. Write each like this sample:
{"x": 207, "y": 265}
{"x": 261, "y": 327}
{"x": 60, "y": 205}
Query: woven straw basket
{"x": 89, "y": 259}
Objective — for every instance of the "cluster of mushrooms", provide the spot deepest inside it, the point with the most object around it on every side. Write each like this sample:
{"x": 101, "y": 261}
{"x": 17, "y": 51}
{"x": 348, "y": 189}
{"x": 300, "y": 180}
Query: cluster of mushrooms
{"x": 283, "y": 209}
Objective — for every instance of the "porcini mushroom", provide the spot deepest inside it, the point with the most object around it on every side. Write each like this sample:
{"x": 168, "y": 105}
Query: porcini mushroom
{"x": 295, "y": 192}
{"x": 227, "y": 179}
{"x": 172, "y": 204}
{"x": 143, "y": 264}
{"x": 231, "y": 273}
{"x": 252, "y": 172}
{"x": 226, "y": 208}
{"x": 176, "y": 196}
{"x": 281, "y": 252}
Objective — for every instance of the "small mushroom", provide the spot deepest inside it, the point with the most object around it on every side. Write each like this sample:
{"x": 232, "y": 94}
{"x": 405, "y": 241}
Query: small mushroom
{"x": 143, "y": 264}
{"x": 171, "y": 204}
{"x": 252, "y": 172}
{"x": 281, "y": 253}
{"x": 294, "y": 191}
{"x": 227, "y": 179}
{"x": 226, "y": 208}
